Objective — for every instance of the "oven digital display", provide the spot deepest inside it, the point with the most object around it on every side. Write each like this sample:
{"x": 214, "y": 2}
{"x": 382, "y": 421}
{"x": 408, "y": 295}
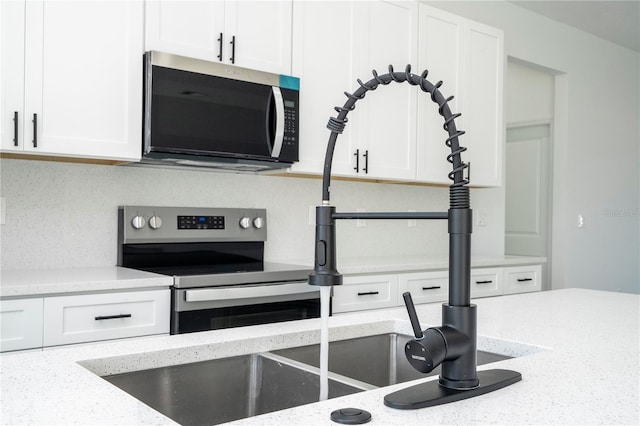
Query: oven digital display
{"x": 200, "y": 222}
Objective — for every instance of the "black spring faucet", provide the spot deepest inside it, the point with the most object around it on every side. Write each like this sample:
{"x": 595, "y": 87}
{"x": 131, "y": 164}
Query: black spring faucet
{"x": 453, "y": 345}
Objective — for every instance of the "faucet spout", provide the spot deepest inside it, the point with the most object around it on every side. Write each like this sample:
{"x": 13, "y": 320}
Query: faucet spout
{"x": 453, "y": 345}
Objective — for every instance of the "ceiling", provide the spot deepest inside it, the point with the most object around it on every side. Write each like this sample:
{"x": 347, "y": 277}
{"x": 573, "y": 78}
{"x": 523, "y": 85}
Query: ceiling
{"x": 617, "y": 21}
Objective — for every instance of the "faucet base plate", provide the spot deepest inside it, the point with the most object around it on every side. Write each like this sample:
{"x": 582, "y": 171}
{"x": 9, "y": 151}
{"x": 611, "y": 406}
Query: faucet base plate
{"x": 432, "y": 393}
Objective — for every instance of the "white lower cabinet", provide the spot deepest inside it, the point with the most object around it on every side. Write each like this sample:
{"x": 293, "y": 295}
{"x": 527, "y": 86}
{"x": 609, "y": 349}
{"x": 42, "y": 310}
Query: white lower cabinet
{"x": 20, "y": 324}
{"x": 92, "y": 317}
{"x": 425, "y": 287}
{"x": 522, "y": 279}
{"x": 486, "y": 282}
{"x": 365, "y": 292}
{"x": 360, "y": 293}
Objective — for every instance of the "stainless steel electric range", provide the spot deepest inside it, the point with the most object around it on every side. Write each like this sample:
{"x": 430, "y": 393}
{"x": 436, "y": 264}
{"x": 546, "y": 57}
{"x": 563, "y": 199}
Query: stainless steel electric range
{"x": 216, "y": 258}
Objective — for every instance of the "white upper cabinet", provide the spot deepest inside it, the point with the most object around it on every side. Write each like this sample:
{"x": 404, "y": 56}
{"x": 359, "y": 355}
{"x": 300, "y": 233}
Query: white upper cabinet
{"x": 469, "y": 58}
{"x": 322, "y": 59}
{"x": 12, "y": 74}
{"x": 336, "y": 43}
{"x": 396, "y": 133}
{"x": 250, "y": 34}
{"x": 78, "y": 91}
{"x": 386, "y": 34}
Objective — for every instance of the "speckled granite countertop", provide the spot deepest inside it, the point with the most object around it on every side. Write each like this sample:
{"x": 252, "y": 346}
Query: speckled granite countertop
{"x": 47, "y": 282}
{"x": 41, "y": 282}
{"x": 578, "y": 352}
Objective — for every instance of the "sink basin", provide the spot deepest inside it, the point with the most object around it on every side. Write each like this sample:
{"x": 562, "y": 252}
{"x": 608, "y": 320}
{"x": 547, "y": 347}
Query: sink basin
{"x": 227, "y": 389}
{"x": 222, "y": 390}
{"x": 378, "y": 360}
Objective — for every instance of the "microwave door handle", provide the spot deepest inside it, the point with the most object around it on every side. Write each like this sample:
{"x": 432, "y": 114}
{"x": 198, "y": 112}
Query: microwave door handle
{"x": 278, "y": 139}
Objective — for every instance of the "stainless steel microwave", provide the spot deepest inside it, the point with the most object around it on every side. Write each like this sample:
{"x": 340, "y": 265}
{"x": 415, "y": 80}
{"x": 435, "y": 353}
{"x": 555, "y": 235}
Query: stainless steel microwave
{"x": 208, "y": 114}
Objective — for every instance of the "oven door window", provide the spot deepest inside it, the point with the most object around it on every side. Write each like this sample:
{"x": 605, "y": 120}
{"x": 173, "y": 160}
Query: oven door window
{"x": 238, "y": 316}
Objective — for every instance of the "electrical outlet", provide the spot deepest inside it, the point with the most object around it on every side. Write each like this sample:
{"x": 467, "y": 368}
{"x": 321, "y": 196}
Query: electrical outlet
{"x": 481, "y": 217}
{"x": 361, "y": 223}
{"x": 412, "y": 223}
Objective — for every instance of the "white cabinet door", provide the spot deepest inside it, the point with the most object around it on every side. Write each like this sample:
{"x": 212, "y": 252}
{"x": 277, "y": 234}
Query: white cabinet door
{"x": 21, "y": 324}
{"x": 262, "y": 31}
{"x": 522, "y": 279}
{"x": 83, "y": 84}
{"x": 360, "y": 293}
{"x": 187, "y": 28}
{"x": 483, "y": 69}
{"x": 386, "y": 34}
{"x": 250, "y": 34}
{"x": 93, "y": 317}
{"x": 469, "y": 58}
{"x": 486, "y": 282}
{"x": 440, "y": 53}
{"x": 11, "y": 75}
{"x": 425, "y": 287}
{"x": 321, "y": 58}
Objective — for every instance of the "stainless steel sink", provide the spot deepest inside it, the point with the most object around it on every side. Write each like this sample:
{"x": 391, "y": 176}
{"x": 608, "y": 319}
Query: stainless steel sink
{"x": 222, "y": 390}
{"x": 378, "y": 360}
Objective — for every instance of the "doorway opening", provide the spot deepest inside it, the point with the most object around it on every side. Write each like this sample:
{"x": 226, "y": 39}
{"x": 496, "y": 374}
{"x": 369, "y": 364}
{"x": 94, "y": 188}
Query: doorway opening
{"x": 529, "y": 165}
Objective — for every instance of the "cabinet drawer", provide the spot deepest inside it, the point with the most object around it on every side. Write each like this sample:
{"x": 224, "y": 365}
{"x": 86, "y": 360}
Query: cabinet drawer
{"x": 486, "y": 282}
{"x": 85, "y": 318}
{"x": 425, "y": 287}
{"x": 20, "y": 324}
{"x": 522, "y": 279}
{"x": 361, "y": 293}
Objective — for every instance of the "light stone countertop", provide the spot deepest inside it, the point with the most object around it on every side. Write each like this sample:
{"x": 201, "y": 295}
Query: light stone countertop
{"x": 47, "y": 282}
{"x": 577, "y": 350}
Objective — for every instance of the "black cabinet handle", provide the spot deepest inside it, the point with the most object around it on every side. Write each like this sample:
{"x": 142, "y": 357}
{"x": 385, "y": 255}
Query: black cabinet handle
{"x": 15, "y": 128}
{"x": 35, "y": 130}
{"x": 521, "y": 280}
{"x": 484, "y": 282}
{"x": 108, "y": 317}
{"x": 357, "y": 155}
{"x": 366, "y": 162}
{"x": 435, "y": 287}
{"x": 220, "y": 47}
{"x": 368, "y": 293}
{"x": 233, "y": 49}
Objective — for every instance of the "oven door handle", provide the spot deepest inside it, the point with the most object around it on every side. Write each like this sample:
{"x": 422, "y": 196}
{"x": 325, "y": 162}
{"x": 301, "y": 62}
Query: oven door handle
{"x": 246, "y": 292}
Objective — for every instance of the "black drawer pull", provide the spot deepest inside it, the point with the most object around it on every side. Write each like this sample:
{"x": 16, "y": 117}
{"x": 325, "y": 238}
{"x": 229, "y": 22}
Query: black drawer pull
{"x": 521, "y": 280}
{"x": 368, "y": 293}
{"x": 220, "y": 47}
{"x": 108, "y": 317}
{"x": 484, "y": 282}
{"x": 233, "y": 50}
{"x": 435, "y": 287}
{"x": 15, "y": 128}
{"x": 35, "y": 130}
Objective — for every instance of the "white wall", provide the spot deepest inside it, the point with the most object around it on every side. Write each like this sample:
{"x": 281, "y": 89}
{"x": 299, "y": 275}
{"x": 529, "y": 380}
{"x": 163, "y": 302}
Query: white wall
{"x": 596, "y": 141}
{"x": 65, "y": 215}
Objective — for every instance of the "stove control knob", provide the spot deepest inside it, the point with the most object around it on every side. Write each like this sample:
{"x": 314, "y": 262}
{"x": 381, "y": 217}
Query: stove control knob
{"x": 258, "y": 222}
{"x": 138, "y": 222}
{"x": 155, "y": 222}
{"x": 245, "y": 222}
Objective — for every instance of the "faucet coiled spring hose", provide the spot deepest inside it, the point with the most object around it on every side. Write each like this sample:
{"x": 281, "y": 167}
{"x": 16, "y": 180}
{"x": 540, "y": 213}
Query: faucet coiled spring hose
{"x": 458, "y": 191}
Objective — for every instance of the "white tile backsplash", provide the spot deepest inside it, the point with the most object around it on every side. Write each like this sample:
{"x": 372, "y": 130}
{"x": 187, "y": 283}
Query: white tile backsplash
{"x": 65, "y": 214}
